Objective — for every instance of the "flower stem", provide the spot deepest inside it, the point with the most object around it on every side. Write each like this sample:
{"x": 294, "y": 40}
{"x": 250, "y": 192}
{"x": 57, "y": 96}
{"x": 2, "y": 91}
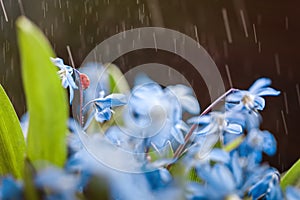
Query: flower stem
{"x": 180, "y": 149}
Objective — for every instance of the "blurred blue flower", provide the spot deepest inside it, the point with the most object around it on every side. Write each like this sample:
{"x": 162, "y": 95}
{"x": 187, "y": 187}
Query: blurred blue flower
{"x": 251, "y": 99}
{"x": 58, "y": 183}
{"x": 292, "y": 193}
{"x": 257, "y": 142}
{"x": 267, "y": 187}
{"x": 156, "y": 114}
{"x": 216, "y": 178}
{"x": 10, "y": 189}
{"x": 185, "y": 97}
{"x": 65, "y": 72}
{"x": 103, "y": 106}
{"x": 217, "y": 123}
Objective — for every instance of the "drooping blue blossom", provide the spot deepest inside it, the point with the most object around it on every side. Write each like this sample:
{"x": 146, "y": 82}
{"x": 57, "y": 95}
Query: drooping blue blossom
{"x": 267, "y": 187}
{"x": 65, "y": 72}
{"x": 251, "y": 99}
{"x": 256, "y": 143}
{"x": 218, "y": 123}
{"x": 103, "y": 106}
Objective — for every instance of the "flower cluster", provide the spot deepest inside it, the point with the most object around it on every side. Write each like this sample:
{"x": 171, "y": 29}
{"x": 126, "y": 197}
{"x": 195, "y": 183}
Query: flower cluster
{"x": 215, "y": 155}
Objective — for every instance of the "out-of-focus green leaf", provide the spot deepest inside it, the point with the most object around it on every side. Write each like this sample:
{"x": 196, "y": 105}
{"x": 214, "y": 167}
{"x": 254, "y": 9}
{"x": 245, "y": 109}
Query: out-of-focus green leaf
{"x": 291, "y": 176}
{"x": 11, "y": 139}
{"x": 117, "y": 81}
{"x": 46, "y": 99}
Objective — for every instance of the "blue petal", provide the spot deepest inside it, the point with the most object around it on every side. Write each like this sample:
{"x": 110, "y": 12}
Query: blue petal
{"x": 260, "y": 83}
{"x": 180, "y": 90}
{"x": 177, "y": 135}
{"x": 117, "y": 99}
{"x": 71, "y": 81}
{"x": 71, "y": 94}
{"x": 235, "y": 97}
{"x": 65, "y": 82}
{"x": 206, "y": 130}
{"x": 205, "y": 119}
{"x": 234, "y": 128}
{"x": 58, "y": 62}
{"x": 221, "y": 179}
{"x": 111, "y": 100}
{"x": 103, "y": 115}
{"x": 219, "y": 155}
{"x": 269, "y": 145}
{"x": 236, "y": 169}
{"x": 259, "y": 103}
{"x": 181, "y": 125}
{"x": 190, "y": 104}
{"x": 267, "y": 92}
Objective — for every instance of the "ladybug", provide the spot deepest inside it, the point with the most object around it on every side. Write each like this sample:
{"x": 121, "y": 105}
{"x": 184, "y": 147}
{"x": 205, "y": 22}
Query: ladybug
{"x": 84, "y": 80}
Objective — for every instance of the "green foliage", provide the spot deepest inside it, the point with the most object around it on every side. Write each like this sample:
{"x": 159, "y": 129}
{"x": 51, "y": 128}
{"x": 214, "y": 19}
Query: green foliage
{"x": 291, "y": 176}
{"x": 11, "y": 139}
{"x": 46, "y": 99}
{"x": 117, "y": 81}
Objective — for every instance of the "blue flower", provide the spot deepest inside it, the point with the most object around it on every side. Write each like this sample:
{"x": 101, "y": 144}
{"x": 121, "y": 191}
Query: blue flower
{"x": 103, "y": 106}
{"x": 57, "y": 182}
{"x": 217, "y": 122}
{"x": 218, "y": 181}
{"x": 251, "y": 99}
{"x": 257, "y": 142}
{"x": 267, "y": 187}
{"x": 155, "y": 114}
{"x": 292, "y": 193}
{"x": 65, "y": 72}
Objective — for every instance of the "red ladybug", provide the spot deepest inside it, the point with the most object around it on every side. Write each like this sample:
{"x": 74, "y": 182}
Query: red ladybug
{"x": 85, "y": 81}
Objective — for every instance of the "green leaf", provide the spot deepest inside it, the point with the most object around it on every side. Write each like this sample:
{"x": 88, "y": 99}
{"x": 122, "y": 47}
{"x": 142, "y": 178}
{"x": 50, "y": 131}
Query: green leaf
{"x": 11, "y": 139}
{"x": 46, "y": 98}
{"x": 234, "y": 144}
{"x": 117, "y": 81}
{"x": 291, "y": 176}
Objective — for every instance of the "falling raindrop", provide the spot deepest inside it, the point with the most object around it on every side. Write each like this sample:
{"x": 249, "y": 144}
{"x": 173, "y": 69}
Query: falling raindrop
{"x": 284, "y": 123}
{"x": 286, "y": 20}
{"x": 4, "y": 11}
{"x": 244, "y": 23}
{"x": 226, "y": 23}
{"x": 254, "y": 32}
{"x": 155, "y": 44}
{"x": 286, "y": 103}
{"x": 277, "y": 64}
{"x": 229, "y": 76}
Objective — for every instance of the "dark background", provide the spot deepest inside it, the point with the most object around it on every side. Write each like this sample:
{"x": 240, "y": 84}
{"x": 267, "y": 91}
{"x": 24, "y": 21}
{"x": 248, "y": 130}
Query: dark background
{"x": 275, "y": 53}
